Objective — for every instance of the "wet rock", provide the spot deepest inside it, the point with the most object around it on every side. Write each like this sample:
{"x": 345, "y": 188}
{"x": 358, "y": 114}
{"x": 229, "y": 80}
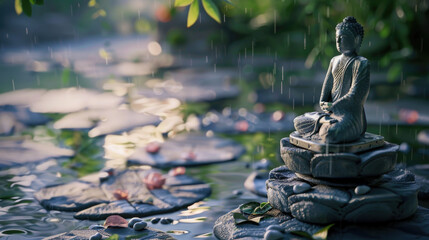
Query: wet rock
{"x": 106, "y": 121}
{"x": 273, "y": 235}
{"x": 133, "y": 221}
{"x": 139, "y": 226}
{"x": 415, "y": 227}
{"x": 255, "y": 183}
{"x": 95, "y": 227}
{"x": 123, "y": 233}
{"x": 155, "y": 220}
{"x": 362, "y": 189}
{"x": 241, "y": 121}
{"x": 96, "y": 200}
{"x": 96, "y": 236}
{"x": 302, "y": 187}
{"x": 394, "y": 196}
{"x": 237, "y": 192}
{"x": 166, "y": 220}
{"x": 423, "y": 137}
{"x": 16, "y": 152}
{"x": 276, "y": 228}
{"x": 206, "y": 150}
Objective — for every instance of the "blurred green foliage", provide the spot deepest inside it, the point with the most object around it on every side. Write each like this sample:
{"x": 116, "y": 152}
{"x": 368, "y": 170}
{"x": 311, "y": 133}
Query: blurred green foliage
{"x": 394, "y": 30}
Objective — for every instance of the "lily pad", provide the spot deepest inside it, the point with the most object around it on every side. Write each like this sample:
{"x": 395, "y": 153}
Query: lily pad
{"x": 15, "y": 152}
{"x": 107, "y": 121}
{"x": 93, "y": 197}
{"x": 188, "y": 150}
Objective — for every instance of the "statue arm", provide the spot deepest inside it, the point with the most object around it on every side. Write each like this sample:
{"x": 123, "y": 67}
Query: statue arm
{"x": 325, "y": 96}
{"x": 358, "y": 91}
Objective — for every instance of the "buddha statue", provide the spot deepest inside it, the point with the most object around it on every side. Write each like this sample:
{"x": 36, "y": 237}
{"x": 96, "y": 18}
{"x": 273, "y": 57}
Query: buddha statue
{"x": 344, "y": 92}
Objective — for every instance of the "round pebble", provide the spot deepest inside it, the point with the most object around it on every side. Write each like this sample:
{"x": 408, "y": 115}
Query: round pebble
{"x": 362, "y": 189}
{"x": 237, "y": 192}
{"x": 273, "y": 235}
{"x": 166, "y": 220}
{"x": 96, "y": 227}
{"x": 276, "y": 228}
{"x": 155, "y": 220}
{"x": 138, "y": 226}
{"x": 301, "y": 187}
{"x": 96, "y": 236}
{"x": 133, "y": 221}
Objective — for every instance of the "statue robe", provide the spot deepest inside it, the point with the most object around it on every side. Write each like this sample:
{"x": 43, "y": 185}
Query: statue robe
{"x": 347, "y": 87}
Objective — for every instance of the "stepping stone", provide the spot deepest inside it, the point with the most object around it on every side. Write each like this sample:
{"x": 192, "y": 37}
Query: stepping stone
{"x": 255, "y": 183}
{"x": 19, "y": 152}
{"x": 188, "y": 151}
{"x": 422, "y": 179}
{"x": 105, "y": 121}
{"x": 371, "y": 163}
{"x": 415, "y": 227}
{"x": 71, "y": 99}
{"x": 98, "y": 196}
{"x": 190, "y": 93}
{"x": 123, "y": 233}
{"x": 392, "y": 197}
{"x": 241, "y": 121}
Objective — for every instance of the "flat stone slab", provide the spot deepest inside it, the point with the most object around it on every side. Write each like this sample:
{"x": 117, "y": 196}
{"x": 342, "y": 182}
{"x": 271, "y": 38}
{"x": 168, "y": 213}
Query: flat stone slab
{"x": 71, "y": 99}
{"x": 365, "y": 143}
{"x": 105, "y": 121}
{"x": 19, "y": 152}
{"x": 422, "y": 178}
{"x": 415, "y": 227}
{"x": 399, "y": 112}
{"x": 123, "y": 233}
{"x": 96, "y": 198}
{"x": 372, "y": 163}
{"x": 393, "y": 197}
{"x": 239, "y": 121}
{"x": 255, "y": 183}
{"x": 189, "y": 150}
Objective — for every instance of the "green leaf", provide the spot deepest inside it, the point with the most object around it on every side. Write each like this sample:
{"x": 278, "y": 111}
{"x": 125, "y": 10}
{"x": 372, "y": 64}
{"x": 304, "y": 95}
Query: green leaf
{"x": 263, "y": 208}
{"x": 256, "y": 219}
{"x": 194, "y": 11}
{"x": 322, "y": 234}
{"x": 211, "y": 10}
{"x": 239, "y": 218}
{"x": 18, "y": 7}
{"x": 37, "y": 2}
{"x": 182, "y": 3}
{"x": 26, "y": 7}
{"x": 249, "y": 207}
{"x": 65, "y": 76}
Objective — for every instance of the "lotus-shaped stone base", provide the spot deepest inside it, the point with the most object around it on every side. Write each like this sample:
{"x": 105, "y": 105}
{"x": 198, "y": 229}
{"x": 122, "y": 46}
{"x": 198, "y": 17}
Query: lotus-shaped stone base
{"x": 391, "y": 197}
{"x": 371, "y": 163}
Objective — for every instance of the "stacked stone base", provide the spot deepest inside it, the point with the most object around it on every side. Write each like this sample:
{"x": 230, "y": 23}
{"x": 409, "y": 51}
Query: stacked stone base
{"x": 352, "y": 186}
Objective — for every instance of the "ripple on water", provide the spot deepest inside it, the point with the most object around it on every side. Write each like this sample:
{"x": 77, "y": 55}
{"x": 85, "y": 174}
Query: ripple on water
{"x": 12, "y": 231}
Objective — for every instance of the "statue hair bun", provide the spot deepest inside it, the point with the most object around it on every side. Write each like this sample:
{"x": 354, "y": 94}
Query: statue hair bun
{"x": 349, "y": 19}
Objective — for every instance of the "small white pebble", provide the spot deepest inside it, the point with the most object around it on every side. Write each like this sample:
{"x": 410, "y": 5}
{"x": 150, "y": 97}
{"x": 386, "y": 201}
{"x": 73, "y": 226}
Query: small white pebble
{"x": 362, "y": 189}
{"x": 96, "y": 236}
{"x": 301, "y": 187}
{"x": 138, "y": 226}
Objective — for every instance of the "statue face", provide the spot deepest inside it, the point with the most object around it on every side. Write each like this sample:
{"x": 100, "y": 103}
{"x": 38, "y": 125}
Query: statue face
{"x": 346, "y": 42}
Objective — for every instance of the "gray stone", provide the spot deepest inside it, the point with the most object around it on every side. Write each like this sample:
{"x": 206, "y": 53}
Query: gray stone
{"x": 302, "y": 187}
{"x": 273, "y": 235}
{"x": 133, "y": 221}
{"x": 123, "y": 233}
{"x": 19, "y": 152}
{"x": 138, "y": 226}
{"x": 423, "y": 137}
{"x": 370, "y": 163}
{"x": 393, "y": 197}
{"x": 255, "y": 183}
{"x": 276, "y": 227}
{"x": 414, "y": 227}
{"x": 362, "y": 189}
{"x": 105, "y": 121}
{"x": 173, "y": 152}
{"x": 96, "y": 236}
{"x": 96, "y": 200}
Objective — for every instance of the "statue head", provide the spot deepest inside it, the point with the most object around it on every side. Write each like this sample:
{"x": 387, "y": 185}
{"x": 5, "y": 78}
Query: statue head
{"x": 349, "y": 36}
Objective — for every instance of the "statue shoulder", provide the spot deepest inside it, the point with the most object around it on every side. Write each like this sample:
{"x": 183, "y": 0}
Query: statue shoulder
{"x": 363, "y": 61}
